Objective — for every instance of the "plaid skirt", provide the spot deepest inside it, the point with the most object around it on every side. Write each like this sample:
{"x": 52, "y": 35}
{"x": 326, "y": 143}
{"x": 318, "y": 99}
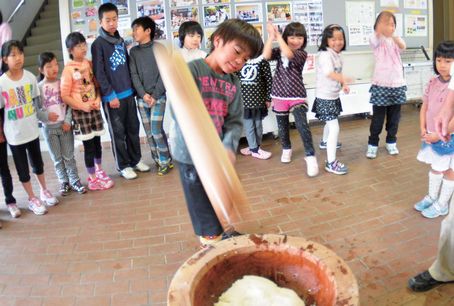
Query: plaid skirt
{"x": 326, "y": 110}
{"x": 385, "y": 96}
{"x": 87, "y": 125}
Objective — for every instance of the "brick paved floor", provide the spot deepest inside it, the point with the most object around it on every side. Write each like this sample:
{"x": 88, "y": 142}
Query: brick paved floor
{"x": 121, "y": 247}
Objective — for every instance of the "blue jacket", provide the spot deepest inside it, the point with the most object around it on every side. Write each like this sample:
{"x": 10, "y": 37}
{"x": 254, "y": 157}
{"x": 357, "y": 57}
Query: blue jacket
{"x": 111, "y": 66}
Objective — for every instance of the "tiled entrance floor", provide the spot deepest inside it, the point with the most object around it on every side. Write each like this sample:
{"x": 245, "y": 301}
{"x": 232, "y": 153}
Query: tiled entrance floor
{"x": 121, "y": 247}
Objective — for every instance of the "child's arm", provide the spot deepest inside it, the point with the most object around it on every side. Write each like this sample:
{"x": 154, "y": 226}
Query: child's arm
{"x": 286, "y": 51}
{"x": 267, "y": 48}
{"x": 100, "y": 74}
{"x": 400, "y": 42}
{"x": 66, "y": 126}
{"x": 233, "y": 122}
{"x": 42, "y": 114}
{"x": 138, "y": 86}
{"x": 422, "y": 119}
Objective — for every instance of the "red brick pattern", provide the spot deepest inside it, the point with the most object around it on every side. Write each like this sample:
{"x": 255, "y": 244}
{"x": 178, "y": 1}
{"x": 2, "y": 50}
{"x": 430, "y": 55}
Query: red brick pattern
{"x": 122, "y": 246}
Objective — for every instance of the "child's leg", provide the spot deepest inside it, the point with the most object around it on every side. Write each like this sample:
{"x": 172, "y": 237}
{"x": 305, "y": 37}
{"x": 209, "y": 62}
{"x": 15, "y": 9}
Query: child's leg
{"x": 331, "y": 142}
{"x": 132, "y": 128}
{"x": 251, "y": 135}
{"x": 89, "y": 157}
{"x": 52, "y": 137}
{"x": 97, "y": 152}
{"x": 435, "y": 180}
{"x": 325, "y": 133}
{"x": 145, "y": 115}
{"x": 283, "y": 127}
{"x": 376, "y": 124}
{"x": 20, "y": 161}
{"x": 299, "y": 112}
{"x": 7, "y": 181}
{"x": 446, "y": 191}
{"x": 258, "y": 128}
{"x": 392, "y": 122}
{"x": 203, "y": 217}
{"x": 159, "y": 135}
{"x": 67, "y": 152}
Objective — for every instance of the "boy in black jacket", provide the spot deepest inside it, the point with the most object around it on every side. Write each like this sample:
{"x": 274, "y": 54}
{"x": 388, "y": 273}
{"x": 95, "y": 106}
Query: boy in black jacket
{"x": 110, "y": 65}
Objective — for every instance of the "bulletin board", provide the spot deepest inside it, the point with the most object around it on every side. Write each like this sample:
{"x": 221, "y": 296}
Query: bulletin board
{"x": 355, "y": 16}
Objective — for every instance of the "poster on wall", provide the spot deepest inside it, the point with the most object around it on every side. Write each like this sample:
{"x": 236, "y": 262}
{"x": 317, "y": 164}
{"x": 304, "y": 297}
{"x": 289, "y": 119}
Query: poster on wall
{"x": 259, "y": 28}
{"x": 122, "y": 5}
{"x": 93, "y": 25}
{"x": 215, "y": 14}
{"x": 360, "y": 21}
{"x": 91, "y": 3}
{"x": 206, "y": 36}
{"x": 310, "y": 13}
{"x": 90, "y": 12}
{"x": 176, "y": 3}
{"x": 399, "y": 25}
{"x": 154, "y": 9}
{"x": 180, "y": 15}
{"x": 214, "y": 1}
{"x": 415, "y": 4}
{"x": 250, "y": 12}
{"x": 278, "y": 11}
{"x": 415, "y": 25}
{"x": 125, "y": 30}
{"x": 78, "y": 4}
{"x": 389, "y": 3}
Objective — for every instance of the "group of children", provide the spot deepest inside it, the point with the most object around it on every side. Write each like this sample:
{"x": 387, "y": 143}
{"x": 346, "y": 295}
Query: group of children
{"x": 71, "y": 107}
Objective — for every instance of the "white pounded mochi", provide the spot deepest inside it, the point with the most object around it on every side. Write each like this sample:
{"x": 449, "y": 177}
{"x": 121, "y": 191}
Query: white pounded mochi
{"x": 254, "y": 290}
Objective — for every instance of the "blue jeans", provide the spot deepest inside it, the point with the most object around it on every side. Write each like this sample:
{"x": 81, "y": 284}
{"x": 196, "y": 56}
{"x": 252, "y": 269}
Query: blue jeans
{"x": 203, "y": 217}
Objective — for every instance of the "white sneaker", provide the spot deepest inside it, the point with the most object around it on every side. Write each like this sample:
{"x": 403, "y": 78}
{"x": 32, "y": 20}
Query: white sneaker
{"x": 312, "y": 165}
{"x": 392, "y": 148}
{"x": 36, "y": 206}
{"x": 371, "y": 151}
{"x": 47, "y": 198}
{"x": 286, "y": 156}
{"x": 128, "y": 173}
{"x": 142, "y": 167}
{"x": 14, "y": 210}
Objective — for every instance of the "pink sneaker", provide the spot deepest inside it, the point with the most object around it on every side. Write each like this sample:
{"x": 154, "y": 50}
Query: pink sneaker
{"x": 96, "y": 184}
{"x": 245, "y": 151}
{"x": 261, "y": 154}
{"x": 102, "y": 175}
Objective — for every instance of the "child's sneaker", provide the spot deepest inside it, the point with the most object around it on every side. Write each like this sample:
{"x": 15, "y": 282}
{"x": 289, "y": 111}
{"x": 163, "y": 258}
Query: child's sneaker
{"x": 322, "y": 145}
{"x": 14, "y": 210}
{"x": 392, "y": 148}
{"x": 286, "y": 156}
{"x": 64, "y": 189}
{"x": 424, "y": 203}
{"x": 78, "y": 187}
{"x": 336, "y": 167}
{"x": 96, "y": 184}
{"x": 209, "y": 240}
{"x": 47, "y": 198}
{"x": 102, "y": 175}
{"x": 128, "y": 173}
{"x": 312, "y": 165}
{"x": 163, "y": 170}
{"x": 245, "y": 151}
{"x": 261, "y": 154}
{"x": 142, "y": 167}
{"x": 36, "y": 206}
{"x": 371, "y": 151}
{"x": 434, "y": 211}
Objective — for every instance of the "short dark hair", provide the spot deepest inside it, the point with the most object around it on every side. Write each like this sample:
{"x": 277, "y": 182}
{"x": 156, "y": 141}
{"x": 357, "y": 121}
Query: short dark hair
{"x": 295, "y": 29}
{"x": 43, "y": 59}
{"x": 72, "y": 40}
{"x": 106, "y": 7}
{"x": 382, "y": 15}
{"x": 241, "y": 31}
{"x": 7, "y": 47}
{"x": 189, "y": 27}
{"x": 328, "y": 33}
{"x": 1, "y": 17}
{"x": 444, "y": 49}
{"x": 145, "y": 23}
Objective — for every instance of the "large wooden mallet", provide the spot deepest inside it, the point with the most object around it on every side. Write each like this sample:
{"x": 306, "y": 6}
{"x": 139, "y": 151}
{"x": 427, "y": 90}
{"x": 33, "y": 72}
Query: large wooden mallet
{"x": 209, "y": 155}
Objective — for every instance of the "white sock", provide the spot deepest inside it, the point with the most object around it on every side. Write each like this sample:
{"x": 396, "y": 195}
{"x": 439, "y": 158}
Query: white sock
{"x": 446, "y": 191}
{"x": 325, "y": 132}
{"x": 435, "y": 181}
{"x": 331, "y": 143}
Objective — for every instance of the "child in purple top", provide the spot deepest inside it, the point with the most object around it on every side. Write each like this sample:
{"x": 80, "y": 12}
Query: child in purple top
{"x": 441, "y": 176}
{"x": 288, "y": 93}
{"x": 388, "y": 83}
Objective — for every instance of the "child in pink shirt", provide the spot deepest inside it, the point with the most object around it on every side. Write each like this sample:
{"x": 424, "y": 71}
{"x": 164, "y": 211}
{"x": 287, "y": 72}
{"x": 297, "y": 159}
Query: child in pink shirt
{"x": 388, "y": 84}
{"x": 438, "y": 154}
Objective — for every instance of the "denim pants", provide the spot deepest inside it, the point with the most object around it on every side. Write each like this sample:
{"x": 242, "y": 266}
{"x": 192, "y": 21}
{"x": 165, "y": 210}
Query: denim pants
{"x": 203, "y": 217}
